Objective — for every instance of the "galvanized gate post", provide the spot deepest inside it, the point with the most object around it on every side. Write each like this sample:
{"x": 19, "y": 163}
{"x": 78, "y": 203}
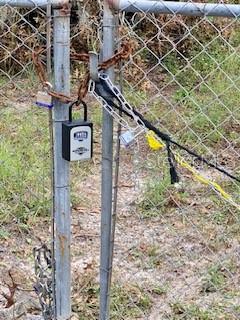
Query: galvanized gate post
{"x": 61, "y": 189}
{"x": 107, "y": 170}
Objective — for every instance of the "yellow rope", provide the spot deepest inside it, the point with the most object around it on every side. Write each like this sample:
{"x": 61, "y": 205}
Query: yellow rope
{"x": 155, "y": 144}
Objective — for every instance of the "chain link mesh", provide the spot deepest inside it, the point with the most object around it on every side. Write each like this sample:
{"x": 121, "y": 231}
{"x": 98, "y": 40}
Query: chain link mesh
{"x": 178, "y": 244}
{"x": 25, "y": 187}
{"x": 176, "y": 247}
{"x": 25, "y": 167}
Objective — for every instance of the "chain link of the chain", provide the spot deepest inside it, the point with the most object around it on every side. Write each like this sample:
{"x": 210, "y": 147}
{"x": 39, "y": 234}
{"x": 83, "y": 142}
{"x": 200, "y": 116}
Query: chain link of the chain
{"x": 140, "y": 126}
{"x": 44, "y": 280}
{"x": 123, "y": 54}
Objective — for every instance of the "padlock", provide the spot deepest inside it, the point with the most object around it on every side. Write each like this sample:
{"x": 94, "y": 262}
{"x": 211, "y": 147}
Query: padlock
{"x": 77, "y": 137}
{"x": 44, "y": 99}
{"x": 129, "y": 137}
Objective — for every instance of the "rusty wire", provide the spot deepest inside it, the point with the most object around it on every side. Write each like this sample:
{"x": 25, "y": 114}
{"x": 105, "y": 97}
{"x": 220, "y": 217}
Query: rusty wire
{"x": 123, "y": 54}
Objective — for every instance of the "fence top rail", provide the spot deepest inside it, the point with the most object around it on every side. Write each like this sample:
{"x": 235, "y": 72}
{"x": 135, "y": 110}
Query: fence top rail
{"x": 33, "y": 3}
{"x": 175, "y": 7}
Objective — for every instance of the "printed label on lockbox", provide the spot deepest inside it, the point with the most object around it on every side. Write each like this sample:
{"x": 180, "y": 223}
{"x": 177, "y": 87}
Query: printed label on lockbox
{"x": 81, "y": 143}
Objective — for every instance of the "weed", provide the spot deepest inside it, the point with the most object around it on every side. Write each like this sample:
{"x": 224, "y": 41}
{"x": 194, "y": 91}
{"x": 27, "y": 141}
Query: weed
{"x": 3, "y": 80}
{"x": 192, "y": 312}
{"x": 154, "y": 257}
{"x": 4, "y": 234}
{"x": 159, "y": 290}
{"x": 154, "y": 197}
{"x": 86, "y": 303}
{"x": 147, "y": 256}
{"x": 136, "y": 98}
{"x": 215, "y": 279}
{"x": 219, "y": 217}
{"x": 127, "y": 302}
{"x": 212, "y": 311}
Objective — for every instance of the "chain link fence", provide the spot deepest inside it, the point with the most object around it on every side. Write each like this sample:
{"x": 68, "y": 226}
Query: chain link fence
{"x": 25, "y": 157}
{"x": 25, "y": 153}
{"x": 24, "y": 128}
{"x": 177, "y": 246}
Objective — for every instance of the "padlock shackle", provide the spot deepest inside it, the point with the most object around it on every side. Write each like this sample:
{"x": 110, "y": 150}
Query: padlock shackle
{"x": 77, "y": 103}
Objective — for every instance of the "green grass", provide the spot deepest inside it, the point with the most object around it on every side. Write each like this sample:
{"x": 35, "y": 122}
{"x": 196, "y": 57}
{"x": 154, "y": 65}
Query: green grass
{"x": 3, "y": 80}
{"x": 147, "y": 257}
{"x": 127, "y": 302}
{"x": 205, "y": 118}
{"x": 154, "y": 197}
{"x": 159, "y": 290}
{"x": 218, "y": 309}
{"x": 96, "y": 115}
{"x": 25, "y": 164}
{"x": 212, "y": 110}
{"x": 194, "y": 312}
{"x": 215, "y": 279}
{"x": 4, "y": 234}
{"x": 205, "y": 94}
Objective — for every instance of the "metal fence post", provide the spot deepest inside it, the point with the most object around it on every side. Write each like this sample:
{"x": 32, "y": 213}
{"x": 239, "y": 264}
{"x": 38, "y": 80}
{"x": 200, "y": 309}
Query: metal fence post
{"x": 61, "y": 192}
{"x": 187, "y": 8}
{"x": 107, "y": 169}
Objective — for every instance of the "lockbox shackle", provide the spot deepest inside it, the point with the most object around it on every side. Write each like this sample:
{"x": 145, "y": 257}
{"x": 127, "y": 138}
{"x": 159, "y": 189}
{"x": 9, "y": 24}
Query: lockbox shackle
{"x": 77, "y": 103}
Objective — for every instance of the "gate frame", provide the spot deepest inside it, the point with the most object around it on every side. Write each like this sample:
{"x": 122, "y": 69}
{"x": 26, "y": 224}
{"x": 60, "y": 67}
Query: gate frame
{"x": 61, "y": 210}
{"x": 114, "y": 7}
